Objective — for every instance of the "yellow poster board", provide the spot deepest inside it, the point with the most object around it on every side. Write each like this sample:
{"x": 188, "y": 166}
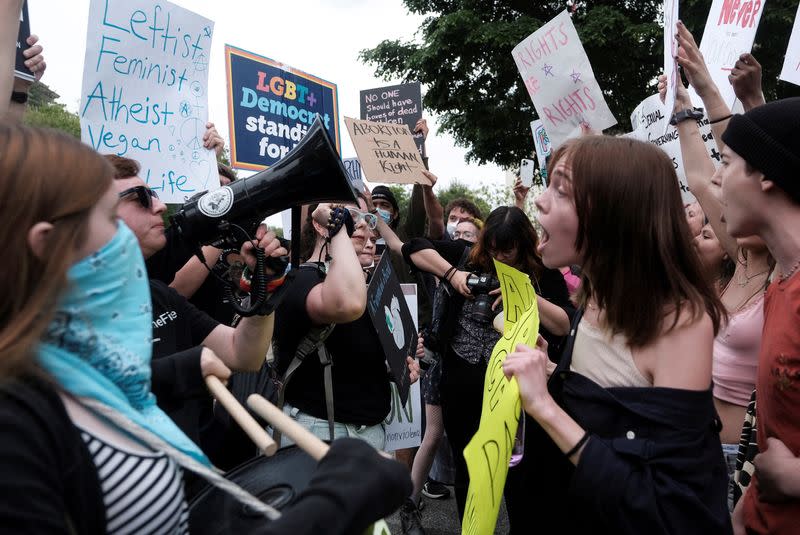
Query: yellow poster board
{"x": 489, "y": 451}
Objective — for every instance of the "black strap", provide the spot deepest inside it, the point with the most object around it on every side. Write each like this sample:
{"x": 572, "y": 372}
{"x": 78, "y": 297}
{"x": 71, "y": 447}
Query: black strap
{"x": 569, "y": 344}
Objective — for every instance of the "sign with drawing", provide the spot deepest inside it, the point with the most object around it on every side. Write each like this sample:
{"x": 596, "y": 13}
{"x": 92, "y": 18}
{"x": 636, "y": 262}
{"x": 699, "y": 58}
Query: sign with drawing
{"x": 560, "y": 81}
{"x": 144, "y": 93}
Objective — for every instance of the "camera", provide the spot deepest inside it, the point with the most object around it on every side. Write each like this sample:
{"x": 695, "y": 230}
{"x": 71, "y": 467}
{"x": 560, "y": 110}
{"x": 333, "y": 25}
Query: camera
{"x": 480, "y": 284}
{"x": 431, "y": 349}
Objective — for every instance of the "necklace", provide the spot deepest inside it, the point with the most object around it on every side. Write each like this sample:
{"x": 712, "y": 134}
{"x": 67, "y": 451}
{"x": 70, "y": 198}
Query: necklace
{"x": 789, "y": 273}
{"x": 743, "y": 279}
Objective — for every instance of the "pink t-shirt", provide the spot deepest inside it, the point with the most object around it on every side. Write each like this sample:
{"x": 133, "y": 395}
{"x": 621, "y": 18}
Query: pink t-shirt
{"x": 572, "y": 280}
{"x": 736, "y": 350}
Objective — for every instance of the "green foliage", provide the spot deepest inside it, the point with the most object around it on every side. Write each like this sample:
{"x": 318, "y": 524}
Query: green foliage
{"x": 54, "y": 116}
{"x": 462, "y": 55}
{"x": 402, "y": 195}
{"x": 481, "y": 197}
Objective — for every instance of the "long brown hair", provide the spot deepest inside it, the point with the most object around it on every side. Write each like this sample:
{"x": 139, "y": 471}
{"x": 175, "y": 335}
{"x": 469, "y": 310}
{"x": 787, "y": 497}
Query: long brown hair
{"x": 506, "y": 228}
{"x": 46, "y": 176}
{"x": 638, "y": 262}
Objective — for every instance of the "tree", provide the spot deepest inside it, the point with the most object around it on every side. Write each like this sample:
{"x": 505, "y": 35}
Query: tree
{"x": 463, "y": 58}
{"x": 54, "y": 116}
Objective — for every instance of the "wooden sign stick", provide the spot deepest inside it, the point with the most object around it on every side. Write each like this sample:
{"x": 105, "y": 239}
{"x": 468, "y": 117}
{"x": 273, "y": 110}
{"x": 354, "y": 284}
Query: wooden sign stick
{"x": 307, "y": 441}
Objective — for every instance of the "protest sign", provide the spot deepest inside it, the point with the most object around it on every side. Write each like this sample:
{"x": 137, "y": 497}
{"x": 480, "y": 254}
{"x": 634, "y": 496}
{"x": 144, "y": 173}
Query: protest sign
{"x": 395, "y": 104}
{"x": 560, "y": 81}
{"x": 387, "y": 152}
{"x": 271, "y": 106}
{"x": 488, "y": 453}
{"x": 791, "y": 62}
{"x": 393, "y": 322}
{"x": 648, "y": 121}
{"x": 543, "y": 147}
{"x": 144, "y": 92}
{"x": 353, "y": 168}
{"x": 670, "y": 51}
{"x": 20, "y": 70}
{"x": 730, "y": 30}
{"x": 403, "y": 425}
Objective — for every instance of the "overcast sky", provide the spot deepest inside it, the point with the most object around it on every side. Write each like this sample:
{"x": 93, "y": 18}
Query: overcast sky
{"x": 321, "y": 37}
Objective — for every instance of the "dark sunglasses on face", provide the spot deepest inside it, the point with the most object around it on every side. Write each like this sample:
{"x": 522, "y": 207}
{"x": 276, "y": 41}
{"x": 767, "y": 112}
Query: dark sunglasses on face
{"x": 144, "y": 195}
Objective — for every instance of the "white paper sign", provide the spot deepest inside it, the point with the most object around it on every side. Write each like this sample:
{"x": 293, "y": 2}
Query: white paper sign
{"x": 403, "y": 425}
{"x": 791, "y": 62}
{"x": 670, "y": 51}
{"x": 730, "y": 31}
{"x": 144, "y": 94}
{"x": 560, "y": 81}
{"x": 648, "y": 121}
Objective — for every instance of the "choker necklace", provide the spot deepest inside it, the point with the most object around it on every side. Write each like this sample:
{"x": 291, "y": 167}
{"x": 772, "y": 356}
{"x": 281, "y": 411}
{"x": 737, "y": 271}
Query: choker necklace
{"x": 789, "y": 273}
{"x": 743, "y": 279}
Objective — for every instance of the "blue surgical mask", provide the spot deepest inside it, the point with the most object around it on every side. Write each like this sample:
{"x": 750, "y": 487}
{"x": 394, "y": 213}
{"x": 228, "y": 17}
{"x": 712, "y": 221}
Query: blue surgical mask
{"x": 386, "y": 216}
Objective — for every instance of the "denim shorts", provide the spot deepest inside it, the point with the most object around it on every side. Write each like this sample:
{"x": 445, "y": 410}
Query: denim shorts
{"x": 730, "y": 451}
{"x": 374, "y": 435}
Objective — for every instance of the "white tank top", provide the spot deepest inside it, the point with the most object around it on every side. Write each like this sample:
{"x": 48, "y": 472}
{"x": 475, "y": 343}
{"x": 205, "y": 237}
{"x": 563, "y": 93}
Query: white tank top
{"x": 606, "y": 360}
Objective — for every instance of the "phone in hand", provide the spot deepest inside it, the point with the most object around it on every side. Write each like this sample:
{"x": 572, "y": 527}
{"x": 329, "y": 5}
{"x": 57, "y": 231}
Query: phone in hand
{"x": 526, "y": 172}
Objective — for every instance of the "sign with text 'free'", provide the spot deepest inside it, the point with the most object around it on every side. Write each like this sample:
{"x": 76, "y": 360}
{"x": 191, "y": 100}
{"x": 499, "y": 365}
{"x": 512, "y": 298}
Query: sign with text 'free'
{"x": 560, "y": 81}
{"x": 271, "y": 106}
{"x": 144, "y": 93}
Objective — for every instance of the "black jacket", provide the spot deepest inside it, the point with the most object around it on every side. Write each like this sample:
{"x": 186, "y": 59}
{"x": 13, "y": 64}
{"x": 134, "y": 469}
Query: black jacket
{"x": 653, "y": 463}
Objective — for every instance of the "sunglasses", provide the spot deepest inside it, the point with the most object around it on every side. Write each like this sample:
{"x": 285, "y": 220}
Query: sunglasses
{"x": 144, "y": 195}
{"x": 371, "y": 220}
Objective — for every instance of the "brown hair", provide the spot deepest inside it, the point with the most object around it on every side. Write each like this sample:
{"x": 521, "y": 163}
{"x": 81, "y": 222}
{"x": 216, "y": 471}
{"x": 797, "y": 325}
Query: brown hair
{"x": 47, "y": 176}
{"x": 506, "y": 228}
{"x": 123, "y": 167}
{"x": 638, "y": 261}
{"x": 466, "y": 205}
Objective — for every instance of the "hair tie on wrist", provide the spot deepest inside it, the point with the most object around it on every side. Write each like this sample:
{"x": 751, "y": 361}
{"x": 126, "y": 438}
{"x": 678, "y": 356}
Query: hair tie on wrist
{"x": 715, "y": 121}
{"x": 584, "y": 439}
{"x": 449, "y": 273}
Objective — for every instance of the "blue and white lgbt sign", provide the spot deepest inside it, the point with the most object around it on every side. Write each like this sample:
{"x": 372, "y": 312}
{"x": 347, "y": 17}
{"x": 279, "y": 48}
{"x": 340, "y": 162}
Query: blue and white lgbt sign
{"x": 271, "y": 106}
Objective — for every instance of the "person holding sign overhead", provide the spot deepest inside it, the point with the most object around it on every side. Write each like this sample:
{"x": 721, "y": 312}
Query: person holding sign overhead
{"x": 634, "y": 442}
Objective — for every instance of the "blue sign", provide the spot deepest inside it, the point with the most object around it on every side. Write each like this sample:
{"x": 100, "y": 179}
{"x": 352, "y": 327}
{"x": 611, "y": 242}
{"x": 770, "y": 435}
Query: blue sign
{"x": 271, "y": 106}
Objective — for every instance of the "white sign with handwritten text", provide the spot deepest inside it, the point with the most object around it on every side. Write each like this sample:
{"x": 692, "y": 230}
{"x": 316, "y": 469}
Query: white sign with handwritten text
{"x": 730, "y": 31}
{"x": 144, "y": 94}
{"x": 650, "y": 122}
{"x": 791, "y": 62}
{"x": 560, "y": 81}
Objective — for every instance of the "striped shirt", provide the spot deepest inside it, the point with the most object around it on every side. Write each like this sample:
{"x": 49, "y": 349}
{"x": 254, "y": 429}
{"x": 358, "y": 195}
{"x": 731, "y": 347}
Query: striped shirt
{"x": 143, "y": 493}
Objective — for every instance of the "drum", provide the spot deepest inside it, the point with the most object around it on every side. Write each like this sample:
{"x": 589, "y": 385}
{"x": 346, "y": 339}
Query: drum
{"x": 276, "y": 480}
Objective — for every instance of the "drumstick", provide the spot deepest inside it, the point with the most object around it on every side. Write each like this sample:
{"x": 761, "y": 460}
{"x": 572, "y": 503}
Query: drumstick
{"x": 307, "y": 441}
{"x": 257, "y": 434}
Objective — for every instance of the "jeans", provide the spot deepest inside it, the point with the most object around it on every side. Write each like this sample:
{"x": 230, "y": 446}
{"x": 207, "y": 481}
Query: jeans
{"x": 374, "y": 435}
{"x": 730, "y": 451}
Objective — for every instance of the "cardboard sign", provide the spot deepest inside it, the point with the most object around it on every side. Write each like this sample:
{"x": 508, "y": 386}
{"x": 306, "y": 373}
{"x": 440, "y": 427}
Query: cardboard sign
{"x": 387, "y": 152}
{"x": 20, "y": 70}
{"x": 730, "y": 31}
{"x": 271, "y": 106}
{"x": 670, "y": 51}
{"x": 489, "y": 451}
{"x": 393, "y": 322}
{"x": 560, "y": 81}
{"x": 144, "y": 93}
{"x": 649, "y": 121}
{"x": 543, "y": 147}
{"x": 791, "y": 62}
{"x": 404, "y": 423}
{"x": 395, "y": 104}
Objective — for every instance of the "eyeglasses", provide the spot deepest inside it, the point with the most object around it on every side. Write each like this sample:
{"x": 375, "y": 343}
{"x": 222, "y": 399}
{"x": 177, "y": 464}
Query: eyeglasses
{"x": 144, "y": 195}
{"x": 465, "y": 234}
{"x": 371, "y": 220}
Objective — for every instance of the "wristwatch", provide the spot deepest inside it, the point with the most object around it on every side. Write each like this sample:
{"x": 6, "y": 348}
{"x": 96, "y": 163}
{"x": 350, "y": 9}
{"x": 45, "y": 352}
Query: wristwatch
{"x": 688, "y": 113}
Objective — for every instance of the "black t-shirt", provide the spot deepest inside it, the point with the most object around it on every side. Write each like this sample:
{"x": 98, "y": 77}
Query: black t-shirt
{"x": 361, "y": 392}
{"x": 167, "y": 261}
{"x": 178, "y": 330}
{"x": 210, "y": 298}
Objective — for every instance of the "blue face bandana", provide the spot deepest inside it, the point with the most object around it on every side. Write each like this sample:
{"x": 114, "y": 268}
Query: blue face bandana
{"x": 385, "y": 215}
{"x": 99, "y": 344}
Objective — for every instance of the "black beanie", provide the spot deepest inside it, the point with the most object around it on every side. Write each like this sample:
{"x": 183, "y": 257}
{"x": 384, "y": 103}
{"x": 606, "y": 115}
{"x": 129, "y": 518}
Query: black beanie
{"x": 384, "y": 193}
{"x": 768, "y": 138}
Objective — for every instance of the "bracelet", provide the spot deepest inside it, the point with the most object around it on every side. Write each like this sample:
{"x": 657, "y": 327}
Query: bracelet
{"x": 715, "y": 121}
{"x": 449, "y": 273}
{"x": 338, "y": 218}
{"x": 584, "y": 439}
